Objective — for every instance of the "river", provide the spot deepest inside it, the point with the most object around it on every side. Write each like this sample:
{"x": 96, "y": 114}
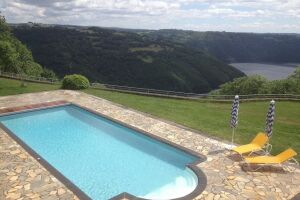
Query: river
{"x": 269, "y": 71}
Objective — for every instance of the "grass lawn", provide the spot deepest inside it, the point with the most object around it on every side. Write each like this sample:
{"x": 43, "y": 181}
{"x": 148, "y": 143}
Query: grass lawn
{"x": 209, "y": 118}
{"x": 213, "y": 118}
{"x": 11, "y": 87}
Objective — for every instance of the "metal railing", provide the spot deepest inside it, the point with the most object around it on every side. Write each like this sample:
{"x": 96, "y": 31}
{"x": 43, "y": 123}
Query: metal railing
{"x": 154, "y": 92}
{"x": 28, "y": 78}
{"x": 143, "y": 90}
{"x": 162, "y": 93}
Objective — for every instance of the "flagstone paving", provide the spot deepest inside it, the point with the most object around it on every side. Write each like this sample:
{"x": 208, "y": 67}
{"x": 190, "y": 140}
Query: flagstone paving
{"x": 22, "y": 177}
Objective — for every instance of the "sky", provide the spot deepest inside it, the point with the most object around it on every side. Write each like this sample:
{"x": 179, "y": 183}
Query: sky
{"x": 272, "y": 16}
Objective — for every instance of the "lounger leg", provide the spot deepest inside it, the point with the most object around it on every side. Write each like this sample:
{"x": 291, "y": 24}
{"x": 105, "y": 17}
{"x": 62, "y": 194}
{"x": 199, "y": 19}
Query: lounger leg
{"x": 259, "y": 167}
{"x": 251, "y": 169}
{"x": 290, "y": 168}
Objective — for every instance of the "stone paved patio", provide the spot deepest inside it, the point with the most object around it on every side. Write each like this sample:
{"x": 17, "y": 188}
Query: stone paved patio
{"x": 22, "y": 177}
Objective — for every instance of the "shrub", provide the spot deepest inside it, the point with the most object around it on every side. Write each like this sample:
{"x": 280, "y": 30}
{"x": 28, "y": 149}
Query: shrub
{"x": 259, "y": 85}
{"x": 243, "y": 85}
{"x": 48, "y": 73}
{"x": 285, "y": 86}
{"x": 75, "y": 82}
{"x": 31, "y": 68}
{"x": 296, "y": 74}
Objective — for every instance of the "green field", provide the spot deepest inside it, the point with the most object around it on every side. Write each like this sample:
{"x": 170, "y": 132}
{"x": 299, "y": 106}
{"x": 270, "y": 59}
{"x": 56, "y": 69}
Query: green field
{"x": 210, "y": 118}
{"x": 213, "y": 118}
{"x": 11, "y": 87}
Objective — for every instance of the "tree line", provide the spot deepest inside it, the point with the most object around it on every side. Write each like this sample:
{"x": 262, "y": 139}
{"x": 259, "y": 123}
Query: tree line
{"x": 124, "y": 58}
{"x": 16, "y": 58}
{"x": 259, "y": 85}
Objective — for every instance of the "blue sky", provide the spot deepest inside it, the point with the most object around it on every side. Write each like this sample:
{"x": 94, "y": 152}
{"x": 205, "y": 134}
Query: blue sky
{"x": 279, "y": 16}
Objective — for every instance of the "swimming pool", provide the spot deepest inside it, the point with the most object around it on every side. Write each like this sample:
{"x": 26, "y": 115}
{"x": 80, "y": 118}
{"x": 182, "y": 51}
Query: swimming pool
{"x": 102, "y": 158}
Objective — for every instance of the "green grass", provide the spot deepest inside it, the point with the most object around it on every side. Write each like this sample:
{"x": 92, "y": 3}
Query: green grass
{"x": 11, "y": 87}
{"x": 213, "y": 118}
{"x": 209, "y": 118}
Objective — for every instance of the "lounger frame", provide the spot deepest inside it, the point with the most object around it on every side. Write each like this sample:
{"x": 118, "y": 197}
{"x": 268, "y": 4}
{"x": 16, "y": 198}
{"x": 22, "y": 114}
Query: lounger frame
{"x": 261, "y": 165}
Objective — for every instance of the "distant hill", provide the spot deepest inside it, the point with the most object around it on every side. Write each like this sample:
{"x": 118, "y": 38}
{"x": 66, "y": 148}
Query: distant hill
{"x": 237, "y": 47}
{"x": 123, "y": 57}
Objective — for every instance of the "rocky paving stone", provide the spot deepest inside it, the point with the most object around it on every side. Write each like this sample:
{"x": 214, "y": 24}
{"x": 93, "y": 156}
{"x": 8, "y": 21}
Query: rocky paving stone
{"x": 22, "y": 177}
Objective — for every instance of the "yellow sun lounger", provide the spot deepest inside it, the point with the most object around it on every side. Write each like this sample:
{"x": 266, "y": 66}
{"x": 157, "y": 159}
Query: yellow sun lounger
{"x": 257, "y": 144}
{"x": 280, "y": 158}
{"x": 288, "y": 154}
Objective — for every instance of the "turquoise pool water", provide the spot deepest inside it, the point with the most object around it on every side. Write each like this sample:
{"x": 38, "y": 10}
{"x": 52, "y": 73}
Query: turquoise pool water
{"x": 104, "y": 158}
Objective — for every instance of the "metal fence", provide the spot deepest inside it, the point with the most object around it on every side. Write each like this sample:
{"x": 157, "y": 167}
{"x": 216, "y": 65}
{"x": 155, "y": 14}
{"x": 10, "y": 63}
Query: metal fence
{"x": 143, "y": 90}
{"x": 174, "y": 94}
{"x": 162, "y": 93}
{"x": 28, "y": 78}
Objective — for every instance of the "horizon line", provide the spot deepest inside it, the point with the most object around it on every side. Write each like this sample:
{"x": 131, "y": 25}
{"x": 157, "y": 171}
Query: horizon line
{"x": 146, "y": 29}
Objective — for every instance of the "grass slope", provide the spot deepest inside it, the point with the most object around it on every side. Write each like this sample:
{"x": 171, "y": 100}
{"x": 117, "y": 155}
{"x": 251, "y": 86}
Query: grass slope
{"x": 11, "y": 87}
{"x": 213, "y": 118}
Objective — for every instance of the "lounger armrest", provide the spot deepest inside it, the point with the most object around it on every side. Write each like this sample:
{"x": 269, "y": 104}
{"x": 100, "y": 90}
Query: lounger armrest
{"x": 295, "y": 161}
{"x": 268, "y": 148}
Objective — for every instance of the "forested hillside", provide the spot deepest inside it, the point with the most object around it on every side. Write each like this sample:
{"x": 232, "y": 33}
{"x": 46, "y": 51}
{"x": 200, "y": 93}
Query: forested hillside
{"x": 237, "y": 47}
{"x": 15, "y": 57}
{"x": 124, "y": 57}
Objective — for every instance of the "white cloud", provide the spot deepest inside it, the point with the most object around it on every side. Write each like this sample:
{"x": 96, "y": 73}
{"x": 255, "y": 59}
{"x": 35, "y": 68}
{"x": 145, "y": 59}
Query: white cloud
{"x": 237, "y": 15}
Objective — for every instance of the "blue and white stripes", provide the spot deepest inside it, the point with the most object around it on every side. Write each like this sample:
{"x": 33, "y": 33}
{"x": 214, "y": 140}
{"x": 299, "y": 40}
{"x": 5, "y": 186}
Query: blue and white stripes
{"x": 235, "y": 112}
{"x": 270, "y": 119}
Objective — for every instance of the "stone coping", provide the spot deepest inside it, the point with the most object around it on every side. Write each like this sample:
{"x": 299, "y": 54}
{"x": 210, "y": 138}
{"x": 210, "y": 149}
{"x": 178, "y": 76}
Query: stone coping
{"x": 22, "y": 177}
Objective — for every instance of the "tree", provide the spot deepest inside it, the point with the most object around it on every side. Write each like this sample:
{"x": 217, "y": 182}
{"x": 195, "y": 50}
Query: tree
{"x": 3, "y": 26}
{"x": 259, "y": 85}
{"x": 8, "y": 57}
{"x": 296, "y": 74}
{"x": 14, "y": 56}
{"x": 286, "y": 86}
{"x": 48, "y": 73}
{"x": 244, "y": 85}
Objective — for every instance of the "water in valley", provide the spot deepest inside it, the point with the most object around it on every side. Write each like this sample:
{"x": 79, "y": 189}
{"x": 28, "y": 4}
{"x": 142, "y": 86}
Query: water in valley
{"x": 269, "y": 71}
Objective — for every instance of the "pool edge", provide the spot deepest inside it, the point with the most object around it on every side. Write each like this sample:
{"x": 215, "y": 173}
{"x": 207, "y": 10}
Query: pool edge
{"x": 193, "y": 166}
{"x": 197, "y": 191}
{"x": 202, "y": 179}
{"x": 71, "y": 186}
